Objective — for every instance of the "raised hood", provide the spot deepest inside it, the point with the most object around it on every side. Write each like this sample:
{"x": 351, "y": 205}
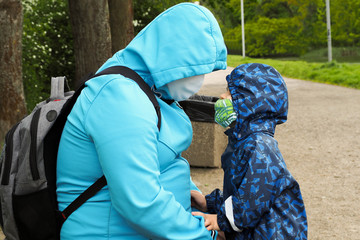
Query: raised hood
{"x": 183, "y": 41}
{"x": 259, "y": 96}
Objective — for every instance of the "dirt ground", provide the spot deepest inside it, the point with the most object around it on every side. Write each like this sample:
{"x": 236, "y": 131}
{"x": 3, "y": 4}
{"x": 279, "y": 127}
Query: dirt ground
{"x": 321, "y": 146}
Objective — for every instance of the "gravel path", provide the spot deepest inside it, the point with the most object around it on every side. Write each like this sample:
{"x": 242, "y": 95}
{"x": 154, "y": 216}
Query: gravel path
{"x": 321, "y": 146}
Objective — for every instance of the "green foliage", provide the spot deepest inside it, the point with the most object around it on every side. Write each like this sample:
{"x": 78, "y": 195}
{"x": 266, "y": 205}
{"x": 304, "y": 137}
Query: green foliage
{"x": 47, "y": 47}
{"x": 146, "y": 10}
{"x": 274, "y": 9}
{"x": 223, "y": 12}
{"x": 345, "y": 21}
{"x": 288, "y": 27}
{"x": 342, "y": 74}
{"x": 268, "y": 37}
{"x": 311, "y": 16}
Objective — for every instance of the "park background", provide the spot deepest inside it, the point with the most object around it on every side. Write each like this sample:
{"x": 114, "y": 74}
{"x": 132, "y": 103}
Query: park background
{"x": 44, "y": 38}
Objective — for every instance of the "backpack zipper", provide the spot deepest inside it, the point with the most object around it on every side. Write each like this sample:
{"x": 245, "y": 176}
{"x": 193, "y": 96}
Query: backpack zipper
{"x": 33, "y": 149}
{"x": 8, "y": 155}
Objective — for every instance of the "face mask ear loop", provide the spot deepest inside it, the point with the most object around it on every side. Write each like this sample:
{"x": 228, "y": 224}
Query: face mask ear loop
{"x": 153, "y": 88}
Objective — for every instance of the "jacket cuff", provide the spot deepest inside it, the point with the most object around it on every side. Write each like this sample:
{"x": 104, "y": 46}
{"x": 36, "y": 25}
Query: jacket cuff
{"x": 223, "y": 222}
{"x": 226, "y": 218}
{"x": 214, "y": 201}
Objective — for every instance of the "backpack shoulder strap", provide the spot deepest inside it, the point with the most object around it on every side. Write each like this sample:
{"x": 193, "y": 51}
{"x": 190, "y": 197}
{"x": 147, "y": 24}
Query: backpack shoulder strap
{"x": 83, "y": 197}
{"x": 101, "y": 182}
{"x": 129, "y": 73}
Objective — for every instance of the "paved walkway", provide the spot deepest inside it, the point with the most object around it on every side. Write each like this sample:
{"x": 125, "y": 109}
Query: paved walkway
{"x": 321, "y": 146}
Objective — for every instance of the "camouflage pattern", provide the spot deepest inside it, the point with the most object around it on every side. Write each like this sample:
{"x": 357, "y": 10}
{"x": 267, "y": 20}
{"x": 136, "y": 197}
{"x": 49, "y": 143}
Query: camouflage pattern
{"x": 261, "y": 199}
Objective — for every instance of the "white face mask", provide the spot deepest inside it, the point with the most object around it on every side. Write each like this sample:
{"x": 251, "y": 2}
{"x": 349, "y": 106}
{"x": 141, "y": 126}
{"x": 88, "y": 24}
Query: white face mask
{"x": 183, "y": 88}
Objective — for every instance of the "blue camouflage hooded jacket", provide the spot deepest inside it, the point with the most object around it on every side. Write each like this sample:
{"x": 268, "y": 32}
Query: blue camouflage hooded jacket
{"x": 261, "y": 199}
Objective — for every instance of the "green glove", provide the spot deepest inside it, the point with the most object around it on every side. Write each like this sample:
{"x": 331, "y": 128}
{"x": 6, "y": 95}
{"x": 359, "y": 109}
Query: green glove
{"x": 224, "y": 112}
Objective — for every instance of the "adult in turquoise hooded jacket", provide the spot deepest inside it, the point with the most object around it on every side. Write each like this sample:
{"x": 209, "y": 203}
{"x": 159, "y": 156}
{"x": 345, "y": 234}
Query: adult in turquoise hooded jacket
{"x": 112, "y": 130}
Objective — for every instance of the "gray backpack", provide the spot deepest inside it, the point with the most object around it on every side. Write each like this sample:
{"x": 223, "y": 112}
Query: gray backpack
{"x": 28, "y": 165}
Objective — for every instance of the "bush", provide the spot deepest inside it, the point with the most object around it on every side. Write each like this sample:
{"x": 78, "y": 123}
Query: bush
{"x": 267, "y": 37}
{"x": 47, "y": 47}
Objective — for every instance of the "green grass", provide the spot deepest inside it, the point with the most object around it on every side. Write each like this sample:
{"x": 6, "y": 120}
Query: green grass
{"x": 342, "y": 74}
{"x": 340, "y": 54}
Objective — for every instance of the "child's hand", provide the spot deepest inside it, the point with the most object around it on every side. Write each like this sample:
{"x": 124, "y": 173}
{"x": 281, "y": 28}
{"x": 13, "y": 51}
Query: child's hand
{"x": 210, "y": 220}
{"x": 198, "y": 201}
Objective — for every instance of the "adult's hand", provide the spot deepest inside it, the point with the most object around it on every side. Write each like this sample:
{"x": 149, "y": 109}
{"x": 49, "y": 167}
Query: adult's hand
{"x": 198, "y": 201}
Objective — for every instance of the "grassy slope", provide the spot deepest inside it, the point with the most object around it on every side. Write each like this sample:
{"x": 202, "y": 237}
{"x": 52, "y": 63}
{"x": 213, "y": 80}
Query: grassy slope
{"x": 342, "y": 74}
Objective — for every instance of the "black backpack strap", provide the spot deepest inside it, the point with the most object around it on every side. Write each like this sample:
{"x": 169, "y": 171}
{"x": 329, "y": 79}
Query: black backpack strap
{"x": 101, "y": 182}
{"x": 82, "y": 198}
{"x": 129, "y": 73}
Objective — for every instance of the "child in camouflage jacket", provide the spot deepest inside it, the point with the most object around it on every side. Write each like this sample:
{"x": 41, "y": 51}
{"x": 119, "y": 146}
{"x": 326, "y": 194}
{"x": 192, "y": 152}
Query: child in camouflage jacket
{"x": 260, "y": 199}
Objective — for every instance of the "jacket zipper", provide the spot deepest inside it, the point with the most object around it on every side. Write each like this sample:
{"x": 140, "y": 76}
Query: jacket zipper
{"x": 8, "y": 155}
{"x": 33, "y": 148}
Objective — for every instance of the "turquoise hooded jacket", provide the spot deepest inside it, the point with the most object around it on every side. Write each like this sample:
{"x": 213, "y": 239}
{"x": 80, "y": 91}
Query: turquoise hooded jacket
{"x": 112, "y": 130}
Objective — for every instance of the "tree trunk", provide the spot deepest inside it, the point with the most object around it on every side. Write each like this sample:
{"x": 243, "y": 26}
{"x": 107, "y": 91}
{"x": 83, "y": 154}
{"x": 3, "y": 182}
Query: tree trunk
{"x": 121, "y": 23}
{"x": 91, "y": 31}
{"x": 12, "y": 102}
